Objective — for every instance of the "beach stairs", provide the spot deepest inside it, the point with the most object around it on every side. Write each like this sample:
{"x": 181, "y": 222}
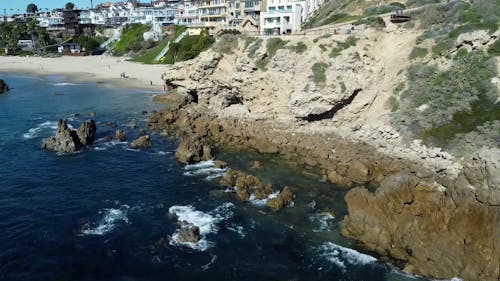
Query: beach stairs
{"x": 112, "y": 39}
{"x": 165, "y": 50}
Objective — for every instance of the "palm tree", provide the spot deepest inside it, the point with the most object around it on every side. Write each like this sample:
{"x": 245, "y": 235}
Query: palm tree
{"x": 31, "y": 8}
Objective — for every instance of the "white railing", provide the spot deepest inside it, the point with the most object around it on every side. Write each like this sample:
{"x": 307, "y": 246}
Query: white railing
{"x": 165, "y": 50}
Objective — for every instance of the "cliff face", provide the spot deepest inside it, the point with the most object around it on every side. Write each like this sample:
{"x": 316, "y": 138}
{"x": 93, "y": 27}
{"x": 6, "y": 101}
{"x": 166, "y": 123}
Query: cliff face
{"x": 436, "y": 214}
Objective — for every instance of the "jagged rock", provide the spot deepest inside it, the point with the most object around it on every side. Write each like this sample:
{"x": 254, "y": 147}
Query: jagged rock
{"x": 246, "y": 185}
{"x": 69, "y": 141}
{"x": 335, "y": 177}
{"x": 189, "y": 233}
{"x": 108, "y": 138}
{"x": 3, "y": 87}
{"x": 120, "y": 135}
{"x": 86, "y": 132}
{"x": 193, "y": 149}
{"x": 282, "y": 200}
{"x": 143, "y": 141}
{"x": 220, "y": 164}
{"x": 435, "y": 231}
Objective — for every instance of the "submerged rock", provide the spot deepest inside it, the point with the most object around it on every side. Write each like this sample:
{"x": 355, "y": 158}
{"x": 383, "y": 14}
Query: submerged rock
{"x": 193, "y": 149}
{"x": 3, "y": 87}
{"x": 143, "y": 141}
{"x": 282, "y": 200}
{"x": 69, "y": 141}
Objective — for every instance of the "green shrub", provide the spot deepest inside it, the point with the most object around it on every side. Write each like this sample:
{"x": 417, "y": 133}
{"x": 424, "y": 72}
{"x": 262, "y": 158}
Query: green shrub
{"x": 273, "y": 45}
{"x": 375, "y": 22}
{"x": 254, "y": 47}
{"x": 418, "y": 52}
{"x": 392, "y": 103}
{"x": 442, "y": 47}
{"x": 462, "y": 52}
{"x": 322, "y": 37}
{"x": 323, "y": 47}
{"x": 149, "y": 56}
{"x": 350, "y": 41}
{"x": 378, "y": 10}
{"x": 131, "y": 39}
{"x": 494, "y": 49}
{"x": 458, "y": 99}
{"x": 249, "y": 41}
{"x": 299, "y": 48}
{"x": 226, "y": 44}
{"x": 188, "y": 48}
{"x": 318, "y": 70}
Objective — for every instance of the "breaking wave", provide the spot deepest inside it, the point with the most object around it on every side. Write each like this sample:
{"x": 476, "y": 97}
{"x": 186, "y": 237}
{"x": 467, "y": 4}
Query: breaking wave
{"x": 204, "y": 168}
{"x": 341, "y": 256}
{"x": 322, "y": 221}
{"x": 206, "y": 222}
{"x": 110, "y": 218}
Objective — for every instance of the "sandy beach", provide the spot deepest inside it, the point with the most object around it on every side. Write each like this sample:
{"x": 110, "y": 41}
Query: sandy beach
{"x": 105, "y": 69}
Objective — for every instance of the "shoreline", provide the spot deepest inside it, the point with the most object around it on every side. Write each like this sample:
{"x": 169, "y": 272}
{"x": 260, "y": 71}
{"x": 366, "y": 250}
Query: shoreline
{"x": 97, "y": 69}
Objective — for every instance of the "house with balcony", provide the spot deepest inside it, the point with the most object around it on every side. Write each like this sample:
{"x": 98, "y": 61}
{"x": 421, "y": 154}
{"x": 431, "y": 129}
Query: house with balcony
{"x": 187, "y": 14}
{"x": 52, "y": 22}
{"x": 282, "y": 17}
{"x": 213, "y": 11}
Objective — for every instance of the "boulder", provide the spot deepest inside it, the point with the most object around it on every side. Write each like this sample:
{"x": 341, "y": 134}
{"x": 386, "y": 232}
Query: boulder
{"x": 193, "y": 149}
{"x": 120, "y": 135}
{"x": 220, "y": 164}
{"x": 69, "y": 141}
{"x": 282, "y": 200}
{"x": 143, "y": 141}
{"x": 3, "y": 87}
{"x": 86, "y": 132}
{"x": 189, "y": 233}
{"x": 108, "y": 138}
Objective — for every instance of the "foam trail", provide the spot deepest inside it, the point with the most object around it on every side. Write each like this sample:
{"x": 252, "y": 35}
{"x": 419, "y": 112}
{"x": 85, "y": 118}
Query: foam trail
{"x": 341, "y": 256}
{"x": 110, "y": 218}
{"x": 205, "y": 168}
{"x": 43, "y": 127}
{"x": 60, "y": 84}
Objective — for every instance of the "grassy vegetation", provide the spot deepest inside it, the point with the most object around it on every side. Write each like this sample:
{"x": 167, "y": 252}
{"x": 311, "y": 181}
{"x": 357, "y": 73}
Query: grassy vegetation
{"x": 418, "y": 52}
{"x": 300, "y": 48}
{"x": 383, "y": 9}
{"x": 249, "y": 41}
{"x": 494, "y": 49}
{"x": 392, "y": 103}
{"x": 131, "y": 39}
{"x": 254, "y": 47}
{"x": 318, "y": 70}
{"x": 226, "y": 44}
{"x": 324, "y": 36}
{"x": 375, "y": 22}
{"x": 149, "y": 56}
{"x": 350, "y": 41}
{"x": 458, "y": 100}
{"x": 272, "y": 46}
{"x": 188, "y": 48}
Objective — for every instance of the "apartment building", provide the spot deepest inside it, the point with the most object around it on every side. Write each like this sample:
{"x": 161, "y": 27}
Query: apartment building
{"x": 281, "y": 17}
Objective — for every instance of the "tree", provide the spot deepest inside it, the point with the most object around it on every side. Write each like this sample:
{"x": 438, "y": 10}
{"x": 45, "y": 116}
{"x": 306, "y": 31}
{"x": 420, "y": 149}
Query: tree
{"x": 70, "y": 6}
{"x": 32, "y": 8}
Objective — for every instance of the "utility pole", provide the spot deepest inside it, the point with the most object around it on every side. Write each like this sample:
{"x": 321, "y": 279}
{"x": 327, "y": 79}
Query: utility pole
{"x": 4, "y": 15}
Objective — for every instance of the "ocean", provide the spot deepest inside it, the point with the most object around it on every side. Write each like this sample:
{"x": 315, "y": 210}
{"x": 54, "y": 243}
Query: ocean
{"x": 108, "y": 212}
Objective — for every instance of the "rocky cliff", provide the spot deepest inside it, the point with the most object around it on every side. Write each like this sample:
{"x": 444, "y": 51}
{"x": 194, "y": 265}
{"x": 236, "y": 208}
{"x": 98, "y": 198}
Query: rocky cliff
{"x": 433, "y": 212}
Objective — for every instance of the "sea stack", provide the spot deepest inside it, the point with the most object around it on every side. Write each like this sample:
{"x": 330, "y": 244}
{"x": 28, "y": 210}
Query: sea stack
{"x": 67, "y": 140}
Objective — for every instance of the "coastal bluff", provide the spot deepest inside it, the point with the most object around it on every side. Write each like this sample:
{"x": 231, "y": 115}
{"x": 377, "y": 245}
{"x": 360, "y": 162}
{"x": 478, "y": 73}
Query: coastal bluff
{"x": 431, "y": 212}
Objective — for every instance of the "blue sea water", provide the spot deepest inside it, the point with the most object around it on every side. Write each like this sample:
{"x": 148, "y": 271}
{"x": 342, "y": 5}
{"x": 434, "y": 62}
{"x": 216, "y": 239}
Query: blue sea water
{"x": 106, "y": 213}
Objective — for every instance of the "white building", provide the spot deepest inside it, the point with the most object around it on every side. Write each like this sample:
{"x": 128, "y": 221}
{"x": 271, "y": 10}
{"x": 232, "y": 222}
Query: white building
{"x": 282, "y": 17}
{"x": 51, "y": 21}
{"x": 187, "y": 14}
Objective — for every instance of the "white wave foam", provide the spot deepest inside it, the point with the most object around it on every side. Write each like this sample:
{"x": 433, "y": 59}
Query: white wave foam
{"x": 206, "y": 222}
{"x": 164, "y": 152}
{"x": 238, "y": 229}
{"x": 132, "y": 149}
{"x": 59, "y": 84}
{"x": 204, "y": 168}
{"x": 322, "y": 221}
{"x": 339, "y": 255}
{"x": 35, "y": 132}
{"x": 110, "y": 218}
{"x": 262, "y": 202}
{"x": 99, "y": 148}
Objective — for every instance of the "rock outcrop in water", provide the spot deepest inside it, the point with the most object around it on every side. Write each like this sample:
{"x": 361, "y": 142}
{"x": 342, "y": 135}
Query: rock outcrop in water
{"x": 283, "y": 199}
{"x": 246, "y": 185}
{"x": 189, "y": 233}
{"x": 142, "y": 142}
{"x": 67, "y": 140}
{"x": 193, "y": 149}
{"x": 120, "y": 135}
{"x": 3, "y": 87}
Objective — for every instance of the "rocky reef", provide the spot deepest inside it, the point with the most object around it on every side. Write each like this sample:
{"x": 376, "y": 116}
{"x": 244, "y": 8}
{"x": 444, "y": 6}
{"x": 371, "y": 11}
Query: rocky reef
{"x": 3, "y": 87}
{"x": 67, "y": 140}
{"x": 430, "y": 212}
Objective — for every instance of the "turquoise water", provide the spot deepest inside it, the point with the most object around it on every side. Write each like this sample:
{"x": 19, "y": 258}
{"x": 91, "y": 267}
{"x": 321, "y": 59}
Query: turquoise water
{"x": 106, "y": 213}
